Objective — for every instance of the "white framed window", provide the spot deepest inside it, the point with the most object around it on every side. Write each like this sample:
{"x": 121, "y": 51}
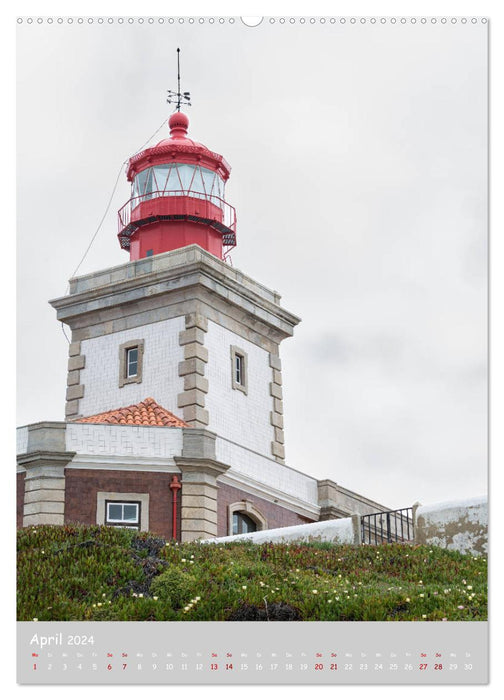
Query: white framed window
{"x": 123, "y": 514}
{"x": 239, "y": 369}
{"x": 131, "y": 362}
{"x": 108, "y": 514}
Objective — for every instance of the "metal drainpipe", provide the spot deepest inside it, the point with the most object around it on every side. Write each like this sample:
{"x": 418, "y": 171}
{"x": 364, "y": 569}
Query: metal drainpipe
{"x": 175, "y": 485}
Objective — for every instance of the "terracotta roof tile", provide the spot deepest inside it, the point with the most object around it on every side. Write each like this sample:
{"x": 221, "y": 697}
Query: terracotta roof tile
{"x": 147, "y": 412}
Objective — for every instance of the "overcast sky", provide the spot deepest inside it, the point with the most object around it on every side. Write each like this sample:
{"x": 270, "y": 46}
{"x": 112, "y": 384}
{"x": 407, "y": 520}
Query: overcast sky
{"x": 358, "y": 157}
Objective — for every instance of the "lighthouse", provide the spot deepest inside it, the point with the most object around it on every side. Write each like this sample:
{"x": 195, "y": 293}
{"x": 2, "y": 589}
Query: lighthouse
{"x": 174, "y": 401}
{"x": 177, "y": 198}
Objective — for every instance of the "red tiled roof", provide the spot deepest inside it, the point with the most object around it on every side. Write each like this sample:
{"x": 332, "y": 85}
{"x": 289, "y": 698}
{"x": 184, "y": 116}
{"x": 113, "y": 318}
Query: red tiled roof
{"x": 147, "y": 412}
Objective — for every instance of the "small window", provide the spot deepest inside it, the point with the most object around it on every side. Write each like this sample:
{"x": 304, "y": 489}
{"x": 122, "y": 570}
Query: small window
{"x": 239, "y": 369}
{"x": 130, "y": 362}
{"x": 243, "y": 523}
{"x": 123, "y": 514}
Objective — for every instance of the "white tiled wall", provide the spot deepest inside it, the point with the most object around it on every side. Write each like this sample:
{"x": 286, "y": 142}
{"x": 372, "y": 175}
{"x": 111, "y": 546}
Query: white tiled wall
{"x": 267, "y": 471}
{"x": 137, "y": 440}
{"x": 21, "y": 440}
{"x": 234, "y": 415}
{"x": 160, "y": 380}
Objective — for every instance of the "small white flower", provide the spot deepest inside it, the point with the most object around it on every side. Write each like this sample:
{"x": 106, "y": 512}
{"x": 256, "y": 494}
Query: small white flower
{"x": 469, "y": 588}
{"x": 244, "y": 588}
{"x": 100, "y": 604}
{"x": 35, "y": 619}
{"x": 183, "y": 560}
{"x": 155, "y": 597}
{"x": 421, "y": 595}
{"x": 424, "y": 616}
{"x": 315, "y": 591}
{"x": 140, "y": 595}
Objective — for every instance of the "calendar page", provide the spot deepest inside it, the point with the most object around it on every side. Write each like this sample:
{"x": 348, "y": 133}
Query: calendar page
{"x": 252, "y": 317}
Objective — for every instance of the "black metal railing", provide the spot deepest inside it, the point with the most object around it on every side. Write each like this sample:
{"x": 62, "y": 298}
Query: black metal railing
{"x": 388, "y": 526}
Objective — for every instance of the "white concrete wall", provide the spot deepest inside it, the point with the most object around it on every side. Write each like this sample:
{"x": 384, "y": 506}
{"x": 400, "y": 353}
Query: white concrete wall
{"x": 337, "y": 531}
{"x": 136, "y": 441}
{"x": 234, "y": 415}
{"x": 21, "y": 440}
{"x": 458, "y": 525}
{"x": 266, "y": 471}
{"x": 162, "y": 354}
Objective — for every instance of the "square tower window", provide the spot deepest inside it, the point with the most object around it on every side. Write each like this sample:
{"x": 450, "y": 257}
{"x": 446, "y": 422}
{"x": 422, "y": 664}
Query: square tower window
{"x": 239, "y": 369}
{"x": 131, "y": 362}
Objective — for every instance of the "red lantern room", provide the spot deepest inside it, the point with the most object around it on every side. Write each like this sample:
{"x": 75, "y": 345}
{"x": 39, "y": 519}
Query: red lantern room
{"x": 177, "y": 198}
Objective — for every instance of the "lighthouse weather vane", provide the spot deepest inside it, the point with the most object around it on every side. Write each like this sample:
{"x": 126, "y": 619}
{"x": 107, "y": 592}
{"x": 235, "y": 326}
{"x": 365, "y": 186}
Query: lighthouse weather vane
{"x": 178, "y": 98}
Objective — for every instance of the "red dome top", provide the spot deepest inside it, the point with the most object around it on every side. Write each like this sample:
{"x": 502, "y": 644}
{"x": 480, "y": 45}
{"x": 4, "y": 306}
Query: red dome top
{"x": 178, "y": 148}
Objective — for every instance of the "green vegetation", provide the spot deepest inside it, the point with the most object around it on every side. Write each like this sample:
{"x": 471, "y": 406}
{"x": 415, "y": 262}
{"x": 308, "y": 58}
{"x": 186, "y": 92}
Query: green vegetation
{"x": 102, "y": 573}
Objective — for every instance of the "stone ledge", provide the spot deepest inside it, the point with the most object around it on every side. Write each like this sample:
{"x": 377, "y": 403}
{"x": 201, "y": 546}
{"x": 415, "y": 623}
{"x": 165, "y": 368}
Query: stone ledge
{"x": 277, "y": 377}
{"x": 276, "y": 419}
{"x": 32, "y": 460}
{"x": 74, "y": 349}
{"x": 196, "y": 416}
{"x": 192, "y": 366}
{"x": 192, "y": 335}
{"x": 77, "y": 362}
{"x": 195, "y": 381}
{"x": 195, "y": 320}
{"x": 196, "y": 350}
{"x": 275, "y": 362}
{"x": 75, "y": 392}
{"x": 54, "y": 507}
{"x": 276, "y": 391}
{"x": 52, "y": 495}
{"x": 73, "y": 377}
{"x": 278, "y": 450}
{"x": 190, "y": 398}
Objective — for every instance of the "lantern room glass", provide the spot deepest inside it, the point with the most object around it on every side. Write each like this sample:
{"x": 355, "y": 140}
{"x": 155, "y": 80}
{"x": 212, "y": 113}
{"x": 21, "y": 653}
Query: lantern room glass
{"x": 178, "y": 179}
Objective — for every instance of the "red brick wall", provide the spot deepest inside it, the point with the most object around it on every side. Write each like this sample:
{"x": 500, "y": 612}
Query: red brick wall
{"x": 277, "y": 516}
{"x": 20, "y": 487}
{"x": 82, "y": 485}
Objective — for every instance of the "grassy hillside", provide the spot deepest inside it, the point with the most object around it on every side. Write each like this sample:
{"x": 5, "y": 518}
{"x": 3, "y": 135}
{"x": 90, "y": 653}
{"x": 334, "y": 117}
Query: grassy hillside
{"x": 103, "y": 573}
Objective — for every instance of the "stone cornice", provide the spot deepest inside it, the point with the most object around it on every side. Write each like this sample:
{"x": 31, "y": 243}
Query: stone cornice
{"x": 44, "y": 458}
{"x": 347, "y": 492}
{"x": 182, "y": 270}
{"x": 198, "y": 465}
{"x": 256, "y": 488}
